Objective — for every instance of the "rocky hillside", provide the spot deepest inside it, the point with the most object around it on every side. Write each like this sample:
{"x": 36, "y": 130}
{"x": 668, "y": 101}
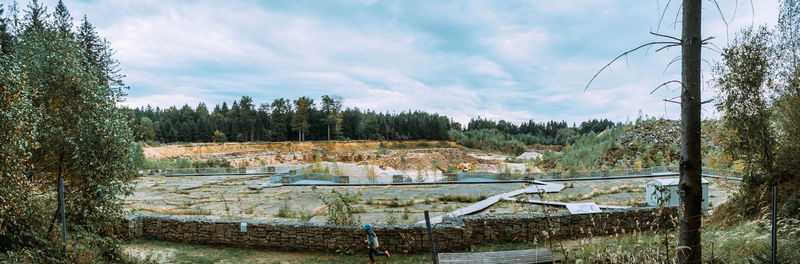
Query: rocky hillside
{"x": 651, "y": 142}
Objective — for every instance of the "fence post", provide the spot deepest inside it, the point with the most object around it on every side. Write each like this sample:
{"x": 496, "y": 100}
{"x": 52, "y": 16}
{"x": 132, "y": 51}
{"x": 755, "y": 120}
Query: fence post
{"x": 774, "y": 223}
{"x": 430, "y": 237}
{"x": 63, "y": 214}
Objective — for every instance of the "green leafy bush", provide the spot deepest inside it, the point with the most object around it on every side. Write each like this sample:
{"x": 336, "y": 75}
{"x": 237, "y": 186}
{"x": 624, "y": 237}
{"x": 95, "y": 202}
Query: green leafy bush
{"x": 340, "y": 212}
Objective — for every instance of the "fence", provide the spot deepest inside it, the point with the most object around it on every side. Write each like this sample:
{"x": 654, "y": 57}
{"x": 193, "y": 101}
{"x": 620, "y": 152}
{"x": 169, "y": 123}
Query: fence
{"x": 296, "y": 176}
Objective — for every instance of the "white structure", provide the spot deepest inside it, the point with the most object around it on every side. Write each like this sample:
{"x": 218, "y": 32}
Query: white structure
{"x": 671, "y": 190}
{"x": 583, "y": 208}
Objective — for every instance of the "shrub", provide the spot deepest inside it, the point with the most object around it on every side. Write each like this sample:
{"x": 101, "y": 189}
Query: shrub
{"x": 219, "y": 137}
{"x": 285, "y": 210}
{"x": 488, "y": 140}
{"x": 340, "y": 212}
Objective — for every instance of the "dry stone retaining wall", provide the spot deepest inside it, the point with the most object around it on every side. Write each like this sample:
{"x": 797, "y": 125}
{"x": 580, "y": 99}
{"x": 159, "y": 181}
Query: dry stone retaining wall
{"x": 470, "y": 231}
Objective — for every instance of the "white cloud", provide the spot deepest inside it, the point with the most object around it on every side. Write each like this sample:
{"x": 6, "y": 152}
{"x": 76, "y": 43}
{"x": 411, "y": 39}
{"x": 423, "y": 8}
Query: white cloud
{"x": 518, "y": 45}
{"x": 484, "y": 66}
{"x": 507, "y": 68}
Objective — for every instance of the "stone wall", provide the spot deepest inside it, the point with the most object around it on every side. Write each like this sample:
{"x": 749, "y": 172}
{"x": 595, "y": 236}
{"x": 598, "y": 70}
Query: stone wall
{"x": 470, "y": 231}
{"x": 529, "y": 228}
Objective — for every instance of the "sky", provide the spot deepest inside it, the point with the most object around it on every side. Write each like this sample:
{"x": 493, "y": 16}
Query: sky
{"x": 511, "y": 60}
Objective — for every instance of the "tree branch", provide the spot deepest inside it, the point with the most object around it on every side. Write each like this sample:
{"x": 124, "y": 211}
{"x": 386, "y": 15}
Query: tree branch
{"x": 668, "y": 46}
{"x": 662, "y": 15}
{"x": 712, "y": 49}
{"x": 623, "y": 54}
{"x": 670, "y": 101}
{"x": 676, "y": 59}
{"x": 665, "y": 84}
{"x": 665, "y": 36}
{"x": 704, "y": 41}
{"x": 722, "y": 16}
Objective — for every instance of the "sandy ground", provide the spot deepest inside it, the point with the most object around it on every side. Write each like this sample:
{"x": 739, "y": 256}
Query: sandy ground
{"x": 184, "y": 150}
{"x": 228, "y": 197}
{"x": 418, "y": 156}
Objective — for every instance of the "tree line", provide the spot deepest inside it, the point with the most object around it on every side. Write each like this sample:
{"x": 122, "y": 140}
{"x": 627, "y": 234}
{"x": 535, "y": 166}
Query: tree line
{"x": 284, "y": 120}
{"x": 302, "y": 119}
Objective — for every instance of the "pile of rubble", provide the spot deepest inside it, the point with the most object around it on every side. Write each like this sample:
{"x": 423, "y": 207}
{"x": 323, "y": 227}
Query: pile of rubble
{"x": 652, "y": 141}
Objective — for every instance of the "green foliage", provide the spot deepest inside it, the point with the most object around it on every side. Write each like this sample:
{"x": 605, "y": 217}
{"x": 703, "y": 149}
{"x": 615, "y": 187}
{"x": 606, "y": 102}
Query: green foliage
{"x": 332, "y": 108}
{"x": 391, "y": 219}
{"x": 340, "y": 212}
{"x": 58, "y": 114}
{"x": 646, "y": 143}
{"x": 582, "y": 154}
{"x": 462, "y": 198}
{"x": 396, "y": 202}
{"x": 488, "y": 140}
{"x": 742, "y": 80}
{"x": 285, "y": 210}
{"x": 300, "y": 119}
{"x": 279, "y": 121}
{"x": 759, "y": 129}
{"x": 219, "y": 137}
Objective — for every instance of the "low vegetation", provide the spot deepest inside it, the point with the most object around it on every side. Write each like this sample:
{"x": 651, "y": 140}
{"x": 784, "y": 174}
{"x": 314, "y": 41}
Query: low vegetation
{"x": 462, "y": 198}
{"x": 645, "y": 143}
{"x": 285, "y": 210}
{"x": 340, "y": 212}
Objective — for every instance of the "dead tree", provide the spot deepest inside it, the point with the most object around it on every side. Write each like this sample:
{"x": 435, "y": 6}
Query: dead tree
{"x": 691, "y": 192}
{"x": 689, "y": 247}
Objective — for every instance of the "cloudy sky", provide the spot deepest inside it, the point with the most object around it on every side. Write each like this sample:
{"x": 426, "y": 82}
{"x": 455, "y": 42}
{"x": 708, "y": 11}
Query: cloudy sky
{"x": 512, "y": 60}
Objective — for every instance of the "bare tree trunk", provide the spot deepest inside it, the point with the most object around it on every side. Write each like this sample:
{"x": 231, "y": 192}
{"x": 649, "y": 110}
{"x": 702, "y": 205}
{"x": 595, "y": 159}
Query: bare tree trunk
{"x": 689, "y": 247}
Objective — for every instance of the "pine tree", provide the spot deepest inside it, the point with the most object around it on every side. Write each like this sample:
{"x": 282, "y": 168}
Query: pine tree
{"x": 6, "y": 38}
{"x": 332, "y": 107}
{"x": 90, "y": 45}
{"x": 62, "y": 20}
{"x": 300, "y": 120}
{"x": 76, "y": 115}
{"x": 35, "y": 17}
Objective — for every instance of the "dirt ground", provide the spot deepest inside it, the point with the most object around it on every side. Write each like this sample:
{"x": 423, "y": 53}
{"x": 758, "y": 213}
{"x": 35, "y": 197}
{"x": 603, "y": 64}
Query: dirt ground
{"x": 407, "y": 156}
{"x": 228, "y": 197}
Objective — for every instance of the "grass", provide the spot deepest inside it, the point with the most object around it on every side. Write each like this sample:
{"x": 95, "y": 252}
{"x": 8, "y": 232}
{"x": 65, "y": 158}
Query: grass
{"x": 462, "y": 198}
{"x": 187, "y": 253}
{"x": 285, "y": 210}
{"x": 596, "y": 192}
{"x": 742, "y": 242}
{"x": 396, "y": 202}
{"x": 745, "y": 242}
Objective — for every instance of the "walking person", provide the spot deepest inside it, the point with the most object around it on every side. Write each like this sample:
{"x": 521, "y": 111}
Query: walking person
{"x": 372, "y": 244}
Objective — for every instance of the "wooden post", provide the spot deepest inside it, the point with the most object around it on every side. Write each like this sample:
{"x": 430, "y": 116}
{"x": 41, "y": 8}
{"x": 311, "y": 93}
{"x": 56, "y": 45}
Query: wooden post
{"x": 430, "y": 237}
{"x": 63, "y": 214}
{"x": 774, "y": 224}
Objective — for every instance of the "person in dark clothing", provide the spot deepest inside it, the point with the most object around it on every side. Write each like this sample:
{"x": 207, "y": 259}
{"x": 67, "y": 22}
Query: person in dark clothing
{"x": 372, "y": 244}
